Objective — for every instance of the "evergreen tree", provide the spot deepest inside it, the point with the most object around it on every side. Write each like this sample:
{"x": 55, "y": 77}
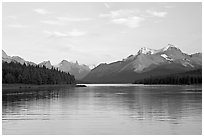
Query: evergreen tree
{"x": 190, "y": 77}
{"x": 9, "y": 78}
{"x": 17, "y": 73}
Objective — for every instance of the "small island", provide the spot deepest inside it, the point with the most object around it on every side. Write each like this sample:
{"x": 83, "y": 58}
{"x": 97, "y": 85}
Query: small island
{"x": 80, "y": 85}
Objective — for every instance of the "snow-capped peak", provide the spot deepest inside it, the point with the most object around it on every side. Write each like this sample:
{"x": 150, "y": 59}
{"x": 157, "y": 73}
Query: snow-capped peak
{"x": 145, "y": 50}
{"x": 168, "y": 47}
{"x": 149, "y": 51}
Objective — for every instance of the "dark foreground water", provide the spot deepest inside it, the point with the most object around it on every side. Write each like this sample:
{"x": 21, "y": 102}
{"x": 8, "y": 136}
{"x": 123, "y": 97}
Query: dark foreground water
{"x": 105, "y": 109}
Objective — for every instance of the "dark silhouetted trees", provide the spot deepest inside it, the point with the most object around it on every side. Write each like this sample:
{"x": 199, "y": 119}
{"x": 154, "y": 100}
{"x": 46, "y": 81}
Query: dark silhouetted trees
{"x": 187, "y": 78}
{"x": 17, "y": 73}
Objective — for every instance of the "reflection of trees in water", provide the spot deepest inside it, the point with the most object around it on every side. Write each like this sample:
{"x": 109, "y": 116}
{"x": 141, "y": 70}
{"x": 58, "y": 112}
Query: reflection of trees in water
{"x": 60, "y": 101}
{"x": 22, "y": 103}
{"x": 138, "y": 103}
{"x": 162, "y": 104}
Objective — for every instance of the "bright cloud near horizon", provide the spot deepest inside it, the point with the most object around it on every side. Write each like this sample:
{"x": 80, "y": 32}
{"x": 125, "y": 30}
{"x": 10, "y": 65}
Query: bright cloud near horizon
{"x": 94, "y": 33}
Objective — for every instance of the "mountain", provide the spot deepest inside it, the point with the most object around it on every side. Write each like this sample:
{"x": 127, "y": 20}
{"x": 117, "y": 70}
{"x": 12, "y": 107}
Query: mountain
{"x": 79, "y": 71}
{"x": 47, "y": 64}
{"x": 8, "y": 59}
{"x": 147, "y": 62}
{"x": 4, "y": 55}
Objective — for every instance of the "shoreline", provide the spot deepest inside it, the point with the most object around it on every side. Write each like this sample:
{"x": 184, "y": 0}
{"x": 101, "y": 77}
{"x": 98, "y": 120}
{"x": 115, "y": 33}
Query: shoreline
{"x": 25, "y": 87}
{"x": 7, "y": 88}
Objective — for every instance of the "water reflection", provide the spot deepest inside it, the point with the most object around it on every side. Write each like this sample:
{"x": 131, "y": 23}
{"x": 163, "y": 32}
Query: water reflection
{"x": 104, "y": 110}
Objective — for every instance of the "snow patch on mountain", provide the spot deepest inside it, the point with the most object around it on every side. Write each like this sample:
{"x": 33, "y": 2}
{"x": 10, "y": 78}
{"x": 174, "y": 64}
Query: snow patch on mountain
{"x": 139, "y": 68}
{"x": 145, "y": 50}
{"x": 166, "y": 57}
{"x": 186, "y": 64}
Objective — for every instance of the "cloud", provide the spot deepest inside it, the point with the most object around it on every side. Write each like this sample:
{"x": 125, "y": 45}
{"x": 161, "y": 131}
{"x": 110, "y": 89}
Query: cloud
{"x": 55, "y": 33}
{"x": 132, "y": 22}
{"x": 156, "y": 13}
{"x": 125, "y": 17}
{"x": 107, "y": 5}
{"x": 73, "y": 33}
{"x": 131, "y": 17}
{"x": 169, "y": 7}
{"x": 41, "y": 11}
{"x": 119, "y": 13}
{"x": 12, "y": 17}
{"x": 52, "y": 22}
{"x": 76, "y": 33}
{"x": 72, "y": 19}
{"x": 63, "y": 20}
{"x": 17, "y": 26}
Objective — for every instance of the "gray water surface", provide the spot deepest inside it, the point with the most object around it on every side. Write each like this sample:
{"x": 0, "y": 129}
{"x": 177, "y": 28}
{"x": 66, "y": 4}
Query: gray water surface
{"x": 104, "y": 109}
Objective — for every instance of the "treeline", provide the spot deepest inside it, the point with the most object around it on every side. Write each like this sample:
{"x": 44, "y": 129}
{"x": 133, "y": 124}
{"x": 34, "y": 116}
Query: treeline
{"x": 187, "y": 78}
{"x": 18, "y": 73}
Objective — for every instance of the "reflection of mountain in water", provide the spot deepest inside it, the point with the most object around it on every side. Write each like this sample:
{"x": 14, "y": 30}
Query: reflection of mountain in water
{"x": 143, "y": 107}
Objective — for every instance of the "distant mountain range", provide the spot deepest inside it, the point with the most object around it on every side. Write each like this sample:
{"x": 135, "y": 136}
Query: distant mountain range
{"x": 79, "y": 71}
{"x": 18, "y": 59}
{"x": 147, "y": 62}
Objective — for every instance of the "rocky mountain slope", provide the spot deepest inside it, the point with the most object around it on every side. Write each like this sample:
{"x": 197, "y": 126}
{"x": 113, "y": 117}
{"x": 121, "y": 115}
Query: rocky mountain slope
{"x": 47, "y": 64}
{"x": 18, "y": 59}
{"x": 147, "y": 62}
{"x": 79, "y": 71}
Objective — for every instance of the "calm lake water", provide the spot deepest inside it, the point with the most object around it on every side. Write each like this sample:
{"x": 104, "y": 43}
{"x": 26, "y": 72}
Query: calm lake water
{"x": 105, "y": 109}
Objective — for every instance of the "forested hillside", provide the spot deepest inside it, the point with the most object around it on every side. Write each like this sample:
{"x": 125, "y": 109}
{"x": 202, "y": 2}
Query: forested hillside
{"x": 18, "y": 73}
{"x": 187, "y": 78}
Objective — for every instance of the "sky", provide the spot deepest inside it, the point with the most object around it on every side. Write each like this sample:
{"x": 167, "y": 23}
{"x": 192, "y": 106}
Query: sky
{"x": 101, "y": 32}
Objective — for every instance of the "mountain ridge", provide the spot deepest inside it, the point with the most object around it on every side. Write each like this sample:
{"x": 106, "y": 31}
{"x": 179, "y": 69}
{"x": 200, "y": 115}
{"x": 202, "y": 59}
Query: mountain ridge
{"x": 146, "y": 61}
{"x": 165, "y": 60}
{"x": 79, "y": 71}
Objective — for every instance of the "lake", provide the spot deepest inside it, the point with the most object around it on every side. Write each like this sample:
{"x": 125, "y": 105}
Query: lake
{"x": 101, "y": 109}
